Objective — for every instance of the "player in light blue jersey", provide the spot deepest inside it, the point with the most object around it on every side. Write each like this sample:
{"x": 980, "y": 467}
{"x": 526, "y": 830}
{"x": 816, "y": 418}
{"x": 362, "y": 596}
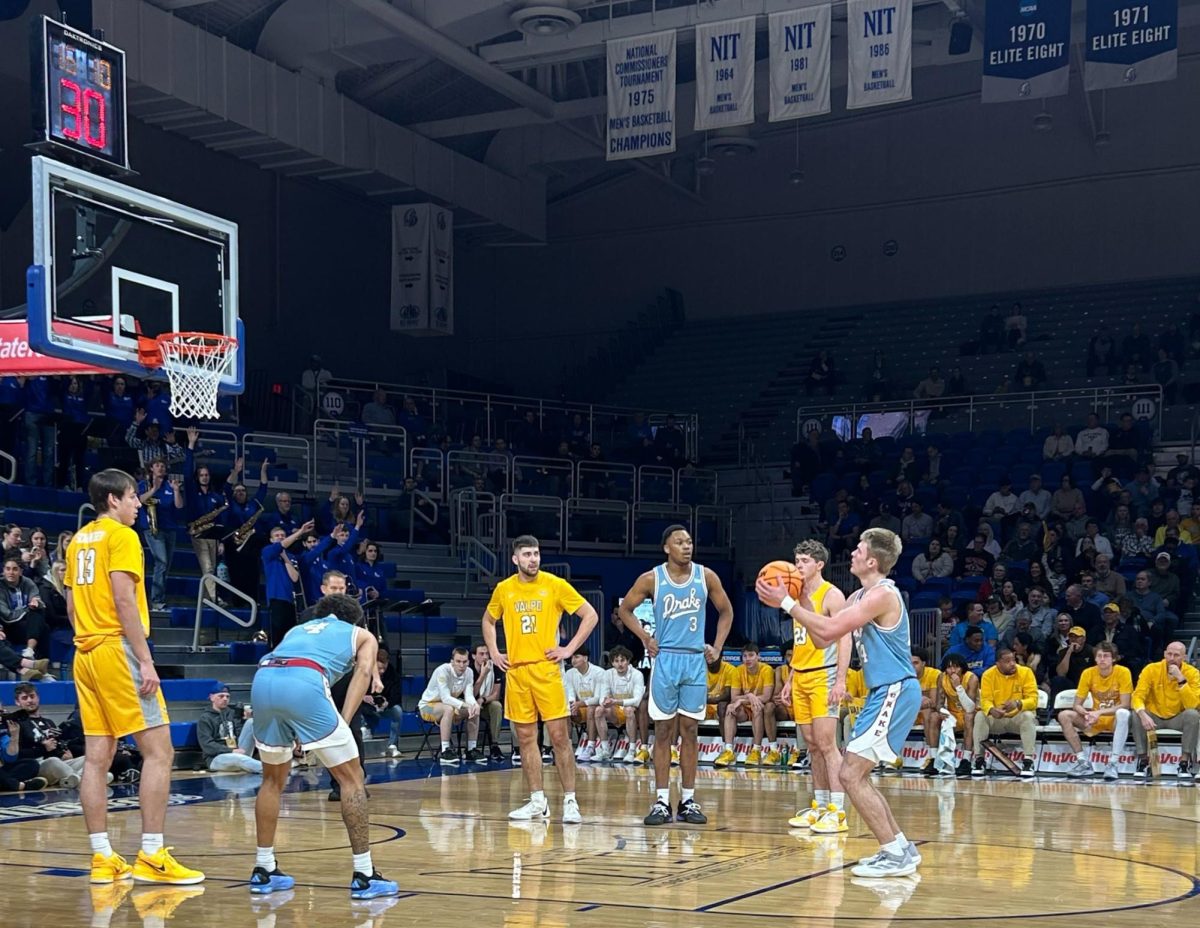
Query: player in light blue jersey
{"x": 680, "y": 591}
{"x": 292, "y": 704}
{"x": 877, "y": 616}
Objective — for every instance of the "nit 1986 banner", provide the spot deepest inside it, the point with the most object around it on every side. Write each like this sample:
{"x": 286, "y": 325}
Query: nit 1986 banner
{"x": 1130, "y": 43}
{"x": 641, "y": 96}
{"x": 725, "y": 73}
{"x": 879, "y": 50}
{"x": 1026, "y": 45}
{"x": 799, "y": 60}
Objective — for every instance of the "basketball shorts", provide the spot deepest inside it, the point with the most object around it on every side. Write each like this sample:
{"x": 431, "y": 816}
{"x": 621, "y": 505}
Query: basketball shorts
{"x": 960, "y": 718}
{"x": 432, "y": 711}
{"x": 886, "y": 718}
{"x": 107, "y": 679}
{"x": 710, "y": 711}
{"x": 678, "y": 685}
{"x": 293, "y": 704}
{"x": 810, "y": 695}
{"x": 1104, "y": 724}
{"x": 620, "y": 714}
{"x": 535, "y": 691}
{"x": 580, "y": 715}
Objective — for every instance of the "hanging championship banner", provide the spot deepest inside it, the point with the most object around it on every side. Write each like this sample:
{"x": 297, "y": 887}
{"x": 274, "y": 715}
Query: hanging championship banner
{"x": 725, "y": 73}
{"x": 1130, "y": 44}
{"x": 799, "y": 62}
{"x": 410, "y": 267}
{"x": 1025, "y": 49}
{"x": 879, "y": 49}
{"x": 641, "y": 96}
{"x": 441, "y": 282}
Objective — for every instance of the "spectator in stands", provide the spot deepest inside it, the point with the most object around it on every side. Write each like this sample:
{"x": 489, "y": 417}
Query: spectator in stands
{"x": 162, "y": 508}
{"x": 1154, "y": 611}
{"x": 38, "y": 418}
{"x": 1030, "y": 372}
{"x": 12, "y": 540}
{"x": 150, "y": 445}
{"x": 1107, "y": 580}
{"x": 1008, "y": 701}
{"x": 1191, "y": 524}
{"x": 1069, "y": 662}
{"x": 1173, "y": 341}
{"x": 996, "y": 615}
{"x": 1092, "y": 440}
{"x": 991, "y": 331}
{"x": 118, "y": 405}
{"x": 1171, "y": 525}
{"x": 1067, "y": 499}
{"x": 1135, "y": 348}
{"x": 1127, "y": 441}
{"x": 17, "y": 774}
{"x": 668, "y": 443}
{"x": 908, "y": 469}
{"x": 1028, "y": 654}
{"x": 1022, "y": 546}
{"x": 932, "y": 473}
{"x": 904, "y": 498}
{"x": 821, "y": 374}
{"x": 488, "y": 686}
{"x": 1157, "y": 516}
{"x": 1058, "y": 446}
{"x": 1076, "y": 527}
{"x": 1166, "y": 696}
{"x": 1016, "y": 327}
{"x": 976, "y": 560}
{"x": 527, "y": 436}
{"x": 956, "y": 384}
{"x": 378, "y": 411}
{"x": 1132, "y": 377}
{"x": 917, "y": 524}
{"x": 933, "y": 562}
{"x": 885, "y": 519}
{"x": 281, "y": 570}
{"x": 1039, "y": 612}
{"x": 226, "y": 734}
{"x": 976, "y": 618}
{"x": 990, "y": 544}
{"x": 1120, "y": 528}
{"x": 1165, "y": 583}
{"x": 1141, "y": 543}
{"x": 1080, "y": 611}
{"x": 1056, "y": 574}
{"x": 1110, "y": 688}
{"x": 1037, "y": 577}
{"x": 38, "y": 739}
{"x": 22, "y": 612}
{"x": 844, "y": 532}
{"x": 949, "y": 518}
{"x": 1102, "y": 353}
{"x": 878, "y": 387}
{"x": 1101, "y": 544}
{"x": 1122, "y": 635}
{"x": 244, "y": 542}
{"x": 35, "y": 559}
{"x": 1166, "y": 375}
{"x": 1087, "y": 580}
{"x": 1022, "y": 623}
{"x": 72, "y": 435}
{"x": 805, "y": 462}
{"x": 932, "y": 387}
{"x": 369, "y": 575}
{"x": 864, "y": 452}
{"x": 1036, "y": 495}
{"x": 338, "y": 511}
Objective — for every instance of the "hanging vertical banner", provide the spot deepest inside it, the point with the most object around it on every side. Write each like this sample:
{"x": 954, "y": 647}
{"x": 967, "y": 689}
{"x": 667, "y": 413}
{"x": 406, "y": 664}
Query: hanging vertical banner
{"x": 879, "y": 49}
{"x": 641, "y": 96}
{"x": 725, "y": 73}
{"x": 799, "y": 62}
{"x": 1025, "y": 49}
{"x": 1130, "y": 44}
{"x": 410, "y": 267}
{"x": 441, "y": 280}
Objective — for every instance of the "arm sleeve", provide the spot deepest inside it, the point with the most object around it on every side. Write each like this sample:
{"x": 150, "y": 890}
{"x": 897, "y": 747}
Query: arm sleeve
{"x": 569, "y": 683}
{"x": 443, "y": 689}
{"x": 469, "y": 692}
{"x": 639, "y": 689}
{"x": 964, "y": 699}
{"x": 598, "y": 688}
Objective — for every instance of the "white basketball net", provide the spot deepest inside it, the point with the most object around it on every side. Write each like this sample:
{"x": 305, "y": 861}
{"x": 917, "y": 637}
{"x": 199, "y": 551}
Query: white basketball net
{"x": 194, "y": 363}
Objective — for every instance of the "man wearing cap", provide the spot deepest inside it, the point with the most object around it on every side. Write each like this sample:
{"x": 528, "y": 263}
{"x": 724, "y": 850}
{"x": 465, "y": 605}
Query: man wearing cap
{"x": 1172, "y": 522}
{"x": 1070, "y": 662}
{"x": 1166, "y": 696}
{"x": 150, "y": 446}
{"x": 1037, "y": 495}
{"x": 226, "y": 735}
{"x": 1131, "y": 650}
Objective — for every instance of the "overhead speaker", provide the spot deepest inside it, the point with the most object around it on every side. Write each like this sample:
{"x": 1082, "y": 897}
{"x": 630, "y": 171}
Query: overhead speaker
{"x": 960, "y": 37}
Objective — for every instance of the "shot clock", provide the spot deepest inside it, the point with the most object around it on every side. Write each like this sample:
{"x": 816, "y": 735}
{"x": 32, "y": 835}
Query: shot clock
{"x": 79, "y": 95}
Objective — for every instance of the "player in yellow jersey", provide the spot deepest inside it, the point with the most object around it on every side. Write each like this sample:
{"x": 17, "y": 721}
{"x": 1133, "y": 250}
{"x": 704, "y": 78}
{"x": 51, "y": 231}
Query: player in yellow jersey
{"x": 928, "y": 678}
{"x": 853, "y": 702}
{"x": 530, "y": 604}
{"x": 719, "y": 678}
{"x": 816, "y": 690}
{"x": 1111, "y": 689}
{"x": 958, "y": 694}
{"x": 750, "y": 694}
{"x": 115, "y": 680}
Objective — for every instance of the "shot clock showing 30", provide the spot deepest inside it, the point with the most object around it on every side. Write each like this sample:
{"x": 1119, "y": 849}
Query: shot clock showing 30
{"x": 79, "y": 93}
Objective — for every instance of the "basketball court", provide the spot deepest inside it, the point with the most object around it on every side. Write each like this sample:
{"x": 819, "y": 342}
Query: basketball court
{"x": 1076, "y": 854}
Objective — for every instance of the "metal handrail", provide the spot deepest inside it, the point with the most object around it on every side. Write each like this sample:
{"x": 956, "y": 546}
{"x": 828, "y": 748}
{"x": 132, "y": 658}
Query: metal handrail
{"x": 202, "y": 601}
{"x": 479, "y": 560}
{"x": 415, "y": 512}
{"x": 12, "y": 463}
{"x": 79, "y": 519}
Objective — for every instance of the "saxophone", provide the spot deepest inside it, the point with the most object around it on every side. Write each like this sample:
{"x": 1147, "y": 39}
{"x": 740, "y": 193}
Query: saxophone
{"x": 243, "y": 532}
{"x": 152, "y": 515}
{"x": 199, "y": 526}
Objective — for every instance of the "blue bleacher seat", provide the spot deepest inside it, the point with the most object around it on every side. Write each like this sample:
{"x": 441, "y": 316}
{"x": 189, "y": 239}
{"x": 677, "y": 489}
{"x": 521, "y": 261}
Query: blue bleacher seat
{"x": 939, "y": 585}
{"x": 955, "y": 497}
{"x": 925, "y": 600}
{"x": 959, "y": 597}
{"x": 968, "y": 584}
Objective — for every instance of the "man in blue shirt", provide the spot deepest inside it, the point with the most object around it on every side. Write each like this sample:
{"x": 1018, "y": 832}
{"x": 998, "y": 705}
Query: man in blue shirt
{"x": 978, "y": 654}
{"x": 975, "y": 619}
{"x": 282, "y": 572}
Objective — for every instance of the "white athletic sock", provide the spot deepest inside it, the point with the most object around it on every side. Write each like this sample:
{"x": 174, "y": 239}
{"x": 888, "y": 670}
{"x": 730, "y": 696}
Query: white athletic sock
{"x": 895, "y": 847}
{"x": 664, "y": 795}
{"x": 152, "y": 844}
{"x": 538, "y": 796}
{"x": 901, "y": 839}
{"x": 766, "y": 744}
{"x": 471, "y": 745}
{"x": 686, "y": 794}
{"x": 838, "y": 799}
{"x": 729, "y": 746}
{"x": 822, "y": 797}
{"x": 363, "y": 865}
{"x": 265, "y": 857}
{"x": 567, "y": 797}
{"x": 100, "y": 844}
{"x": 445, "y": 745}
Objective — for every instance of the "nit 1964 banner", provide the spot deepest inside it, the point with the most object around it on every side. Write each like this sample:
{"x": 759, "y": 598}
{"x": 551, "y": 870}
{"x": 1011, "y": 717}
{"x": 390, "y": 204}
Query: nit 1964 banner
{"x": 1026, "y": 45}
{"x": 879, "y": 50}
{"x": 725, "y": 73}
{"x": 641, "y": 96}
{"x": 1130, "y": 43}
{"x": 799, "y": 59}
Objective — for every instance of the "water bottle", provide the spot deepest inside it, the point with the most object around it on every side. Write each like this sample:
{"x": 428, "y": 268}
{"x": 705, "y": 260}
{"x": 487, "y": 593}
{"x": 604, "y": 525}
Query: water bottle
{"x": 785, "y": 753}
{"x": 222, "y": 571}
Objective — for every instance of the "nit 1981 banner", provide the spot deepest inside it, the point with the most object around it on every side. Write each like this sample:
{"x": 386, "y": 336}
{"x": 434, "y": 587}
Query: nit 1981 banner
{"x": 799, "y": 58}
{"x": 641, "y": 96}
{"x": 1026, "y": 45}
{"x": 1130, "y": 43}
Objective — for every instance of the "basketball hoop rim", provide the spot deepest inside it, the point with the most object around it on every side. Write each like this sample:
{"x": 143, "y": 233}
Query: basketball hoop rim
{"x": 151, "y": 350}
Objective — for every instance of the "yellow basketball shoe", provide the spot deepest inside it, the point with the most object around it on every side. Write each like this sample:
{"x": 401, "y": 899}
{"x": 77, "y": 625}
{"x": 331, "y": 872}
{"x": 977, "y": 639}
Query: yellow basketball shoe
{"x": 754, "y": 758}
{"x": 806, "y": 818}
{"x": 674, "y": 757}
{"x": 832, "y": 822}
{"x": 724, "y": 759}
{"x": 642, "y": 756}
{"x": 110, "y": 869}
{"x": 773, "y": 758}
{"x": 161, "y": 867}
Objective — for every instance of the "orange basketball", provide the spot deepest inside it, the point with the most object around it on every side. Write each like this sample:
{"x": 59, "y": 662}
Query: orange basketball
{"x": 786, "y": 574}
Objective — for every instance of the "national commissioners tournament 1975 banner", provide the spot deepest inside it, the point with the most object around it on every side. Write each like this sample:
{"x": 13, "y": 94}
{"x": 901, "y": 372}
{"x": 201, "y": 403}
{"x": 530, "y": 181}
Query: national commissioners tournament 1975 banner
{"x": 725, "y": 73}
{"x": 1130, "y": 44}
{"x": 799, "y": 60}
{"x": 879, "y": 50}
{"x": 1025, "y": 49}
{"x": 641, "y": 96}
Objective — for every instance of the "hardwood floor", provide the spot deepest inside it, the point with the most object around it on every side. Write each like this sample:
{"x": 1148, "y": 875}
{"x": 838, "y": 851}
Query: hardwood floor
{"x": 1068, "y": 853}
